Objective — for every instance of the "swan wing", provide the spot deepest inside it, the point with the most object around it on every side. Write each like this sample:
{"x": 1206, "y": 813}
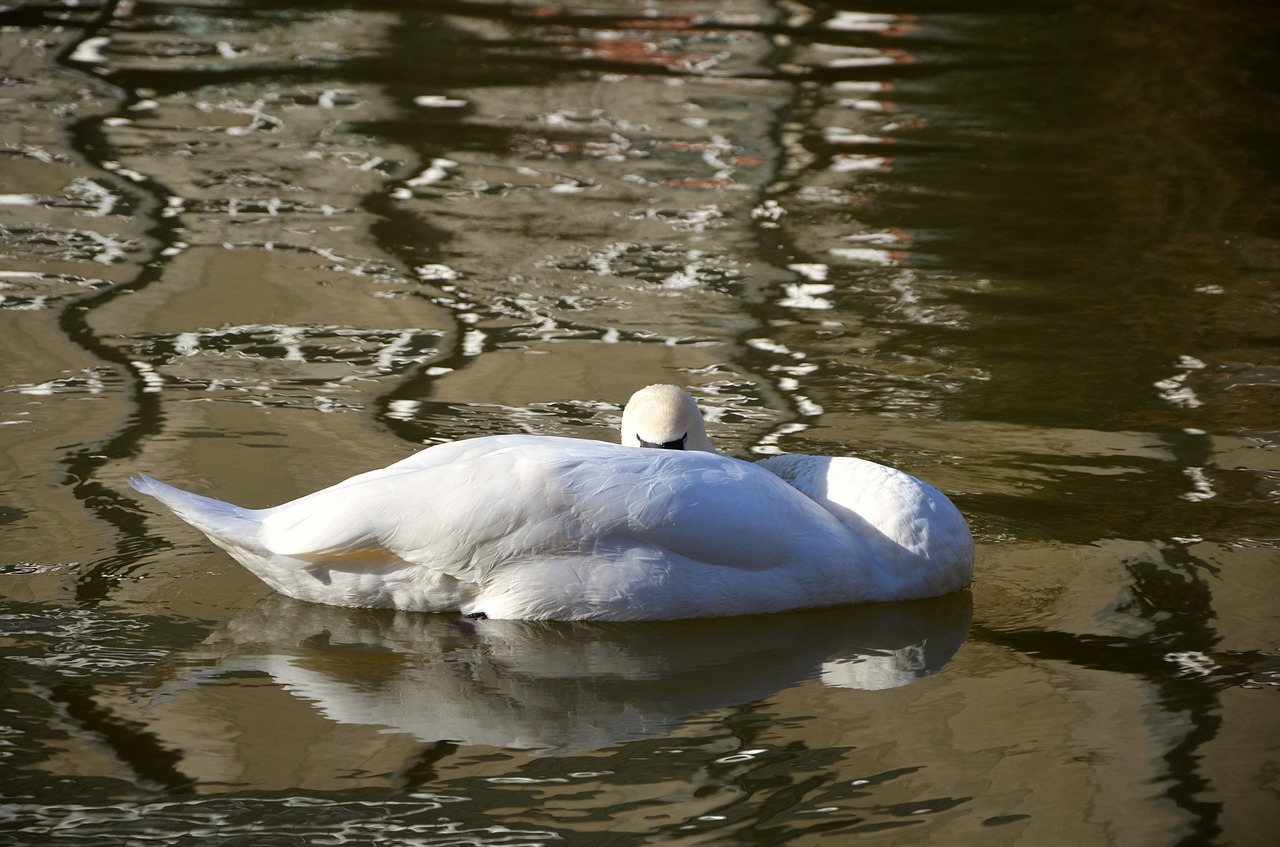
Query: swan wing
{"x": 439, "y": 507}
{"x": 469, "y": 506}
{"x": 903, "y": 519}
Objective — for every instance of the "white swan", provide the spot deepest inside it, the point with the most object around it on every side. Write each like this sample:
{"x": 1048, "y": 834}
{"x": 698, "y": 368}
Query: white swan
{"x": 537, "y": 527}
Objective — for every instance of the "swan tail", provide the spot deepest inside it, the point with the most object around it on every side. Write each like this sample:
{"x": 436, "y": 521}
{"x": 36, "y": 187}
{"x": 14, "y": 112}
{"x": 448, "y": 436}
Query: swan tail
{"x": 222, "y": 522}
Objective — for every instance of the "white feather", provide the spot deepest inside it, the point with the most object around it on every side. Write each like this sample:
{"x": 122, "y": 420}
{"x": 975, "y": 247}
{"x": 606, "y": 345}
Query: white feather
{"x": 533, "y": 527}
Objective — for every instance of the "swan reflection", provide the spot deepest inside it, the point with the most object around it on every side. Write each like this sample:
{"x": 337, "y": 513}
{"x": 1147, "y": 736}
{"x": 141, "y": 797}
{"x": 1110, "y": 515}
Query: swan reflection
{"x": 560, "y": 686}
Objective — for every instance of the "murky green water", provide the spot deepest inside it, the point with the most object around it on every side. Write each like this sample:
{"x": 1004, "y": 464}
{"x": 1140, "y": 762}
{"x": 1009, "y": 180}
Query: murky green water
{"x": 1027, "y": 251}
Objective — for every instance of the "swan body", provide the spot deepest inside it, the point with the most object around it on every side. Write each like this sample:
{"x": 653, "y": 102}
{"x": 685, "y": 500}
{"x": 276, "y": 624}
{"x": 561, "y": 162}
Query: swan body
{"x": 538, "y": 527}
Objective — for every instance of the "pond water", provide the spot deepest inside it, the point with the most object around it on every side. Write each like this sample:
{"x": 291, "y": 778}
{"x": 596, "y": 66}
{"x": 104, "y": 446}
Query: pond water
{"x": 1028, "y": 251}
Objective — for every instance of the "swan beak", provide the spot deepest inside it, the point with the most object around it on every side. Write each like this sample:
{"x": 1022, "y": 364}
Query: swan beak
{"x": 677, "y": 444}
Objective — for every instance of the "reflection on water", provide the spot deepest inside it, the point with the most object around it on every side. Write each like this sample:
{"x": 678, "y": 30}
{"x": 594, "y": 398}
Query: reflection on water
{"x": 557, "y": 687}
{"x": 1023, "y": 250}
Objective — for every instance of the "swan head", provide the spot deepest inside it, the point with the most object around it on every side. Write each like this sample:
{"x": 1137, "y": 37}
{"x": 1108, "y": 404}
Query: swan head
{"x": 664, "y": 416}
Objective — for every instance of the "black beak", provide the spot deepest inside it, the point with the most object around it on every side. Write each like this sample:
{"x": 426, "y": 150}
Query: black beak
{"x": 677, "y": 444}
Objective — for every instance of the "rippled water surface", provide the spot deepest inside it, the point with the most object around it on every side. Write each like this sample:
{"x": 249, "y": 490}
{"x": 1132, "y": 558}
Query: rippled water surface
{"x": 1027, "y": 251}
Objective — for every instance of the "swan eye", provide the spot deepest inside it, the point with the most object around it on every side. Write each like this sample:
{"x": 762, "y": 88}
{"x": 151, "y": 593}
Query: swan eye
{"x": 677, "y": 444}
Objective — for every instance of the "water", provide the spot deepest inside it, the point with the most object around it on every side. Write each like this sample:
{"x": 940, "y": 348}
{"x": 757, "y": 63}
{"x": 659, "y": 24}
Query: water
{"x": 1027, "y": 251}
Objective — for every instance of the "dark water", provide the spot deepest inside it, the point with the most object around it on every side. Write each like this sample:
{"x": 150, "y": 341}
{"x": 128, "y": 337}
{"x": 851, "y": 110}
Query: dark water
{"x": 1028, "y": 251}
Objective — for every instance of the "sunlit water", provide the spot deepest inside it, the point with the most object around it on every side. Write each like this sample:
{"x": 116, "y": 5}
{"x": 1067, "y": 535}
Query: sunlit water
{"x": 1027, "y": 251}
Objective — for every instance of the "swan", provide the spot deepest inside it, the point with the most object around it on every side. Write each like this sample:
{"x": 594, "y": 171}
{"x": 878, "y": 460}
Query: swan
{"x": 546, "y": 528}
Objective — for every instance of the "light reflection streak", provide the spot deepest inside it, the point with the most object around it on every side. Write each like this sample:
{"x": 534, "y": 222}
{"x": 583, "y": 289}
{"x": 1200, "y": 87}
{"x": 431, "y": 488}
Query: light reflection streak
{"x": 806, "y": 295}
